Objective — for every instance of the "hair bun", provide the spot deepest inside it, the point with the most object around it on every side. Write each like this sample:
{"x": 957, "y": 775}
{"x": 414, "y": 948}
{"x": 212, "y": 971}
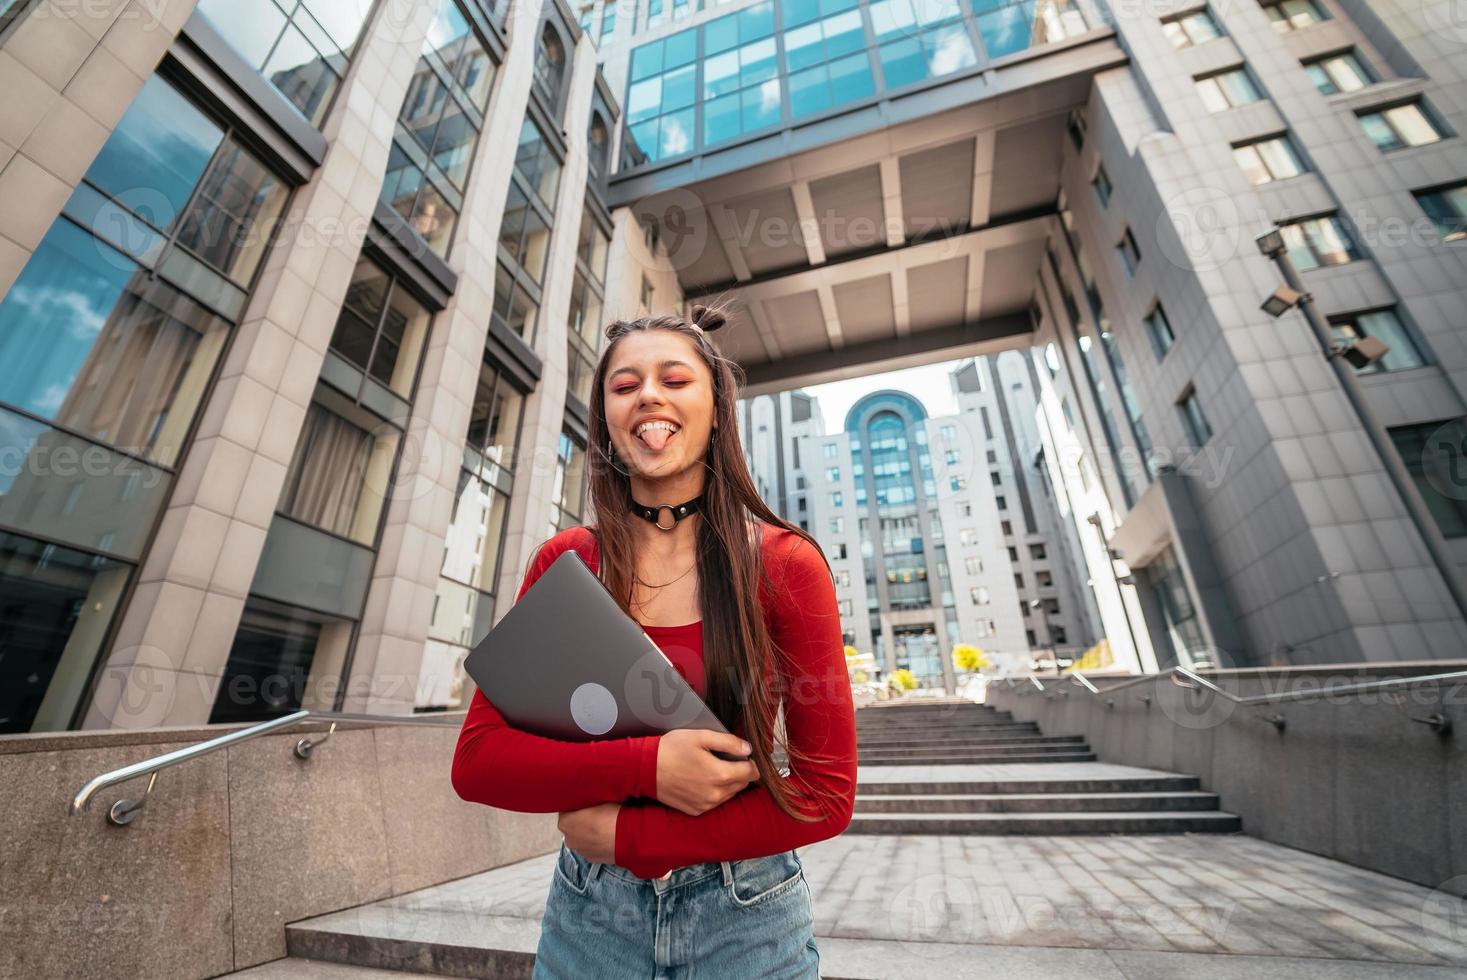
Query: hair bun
{"x": 708, "y": 319}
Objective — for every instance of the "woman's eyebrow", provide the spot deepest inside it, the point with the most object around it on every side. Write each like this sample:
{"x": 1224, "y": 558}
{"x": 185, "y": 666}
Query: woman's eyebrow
{"x": 660, "y": 364}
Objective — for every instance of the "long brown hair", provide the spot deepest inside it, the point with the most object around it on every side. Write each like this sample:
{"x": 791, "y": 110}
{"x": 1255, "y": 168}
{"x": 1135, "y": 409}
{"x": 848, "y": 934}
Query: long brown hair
{"x": 738, "y": 649}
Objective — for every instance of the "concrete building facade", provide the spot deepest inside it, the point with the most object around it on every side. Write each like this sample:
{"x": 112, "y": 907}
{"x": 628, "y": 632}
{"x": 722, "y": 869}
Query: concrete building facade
{"x": 294, "y": 348}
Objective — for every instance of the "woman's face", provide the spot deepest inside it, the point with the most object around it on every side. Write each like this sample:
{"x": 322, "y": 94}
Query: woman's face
{"x": 658, "y": 374}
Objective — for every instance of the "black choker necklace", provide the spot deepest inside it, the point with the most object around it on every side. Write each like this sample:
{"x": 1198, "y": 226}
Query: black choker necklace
{"x": 654, "y": 514}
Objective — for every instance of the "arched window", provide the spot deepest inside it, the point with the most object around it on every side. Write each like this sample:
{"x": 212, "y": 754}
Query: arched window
{"x": 550, "y": 64}
{"x": 598, "y": 141}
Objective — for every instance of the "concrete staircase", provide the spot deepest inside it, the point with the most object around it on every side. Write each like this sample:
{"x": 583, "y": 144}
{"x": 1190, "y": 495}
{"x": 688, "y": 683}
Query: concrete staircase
{"x": 984, "y": 773}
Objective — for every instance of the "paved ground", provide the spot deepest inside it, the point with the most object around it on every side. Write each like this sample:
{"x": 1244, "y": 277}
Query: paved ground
{"x": 1213, "y": 907}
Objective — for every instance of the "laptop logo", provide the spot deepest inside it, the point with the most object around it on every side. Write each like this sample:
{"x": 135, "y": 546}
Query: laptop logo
{"x": 593, "y": 709}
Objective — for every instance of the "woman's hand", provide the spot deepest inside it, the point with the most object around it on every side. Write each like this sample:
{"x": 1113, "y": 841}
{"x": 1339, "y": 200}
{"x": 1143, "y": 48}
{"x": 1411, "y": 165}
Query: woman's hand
{"x": 691, "y": 779}
{"x": 591, "y": 832}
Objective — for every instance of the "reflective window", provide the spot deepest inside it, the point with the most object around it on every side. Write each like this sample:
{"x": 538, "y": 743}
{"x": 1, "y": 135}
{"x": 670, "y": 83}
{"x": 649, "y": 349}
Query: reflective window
{"x": 57, "y": 607}
{"x": 567, "y": 491}
{"x": 438, "y": 127}
{"x": 1291, "y": 15}
{"x": 1191, "y": 29}
{"x": 1447, "y": 209}
{"x": 269, "y": 671}
{"x": 303, "y": 48}
{"x": 1159, "y": 330}
{"x": 116, "y": 338}
{"x": 1316, "y": 242}
{"x": 920, "y": 39}
{"x": 1193, "y": 419}
{"x": 1008, "y": 26}
{"x": 1401, "y": 126}
{"x": 381, "y": 328}
{"x": 550, "y": 65}
{"x": 587, "y": 293}
{"x": 1339, "y": 73}
{"x": 1264, "y": 161}
{"x": 826, "y": 55}
{"x": 1386, "y": 327}
{"x": 1432, "y": 453}
{"x": 1226, "y": 90}
{"x": 339, "y": 474}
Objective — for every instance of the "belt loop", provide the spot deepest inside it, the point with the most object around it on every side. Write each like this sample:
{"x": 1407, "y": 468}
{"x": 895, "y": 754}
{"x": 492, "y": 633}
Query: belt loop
{"x": 727, "y": 872}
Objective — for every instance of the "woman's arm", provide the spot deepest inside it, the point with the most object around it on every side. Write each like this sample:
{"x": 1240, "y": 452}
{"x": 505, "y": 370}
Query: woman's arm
{"x": 819, "y": 718}
{"x": 509, "y": 768}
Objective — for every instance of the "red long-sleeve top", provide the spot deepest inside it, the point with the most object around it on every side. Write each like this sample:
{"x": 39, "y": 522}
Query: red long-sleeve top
{"x": 505, "y": 767}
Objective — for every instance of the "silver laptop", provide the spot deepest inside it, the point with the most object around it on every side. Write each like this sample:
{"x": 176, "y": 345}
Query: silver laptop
{"x": 566, "y": 662}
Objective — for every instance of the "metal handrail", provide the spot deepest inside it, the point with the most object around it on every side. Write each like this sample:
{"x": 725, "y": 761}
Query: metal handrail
{"x": 123, "y": 811}
{"x": 1185, "y": 677}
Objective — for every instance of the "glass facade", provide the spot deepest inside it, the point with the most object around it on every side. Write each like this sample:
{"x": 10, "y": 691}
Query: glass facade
{"x": 464, "y": 604}
{"x": 302, "y": 46}
{"x": 109, "y": 340}
{"x": 524, "y": 232}
{"x": 1447, "y": 209}
{"x": 769, "y": 64}
{"x": 1386, "y": 327}
{"x": 583, "y": 338}
{"x": 438, "y": 127}
{"x": 568, "y": 488}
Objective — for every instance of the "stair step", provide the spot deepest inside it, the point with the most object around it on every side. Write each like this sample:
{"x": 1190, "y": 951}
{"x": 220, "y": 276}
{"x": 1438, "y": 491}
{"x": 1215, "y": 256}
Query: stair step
{"x": 1035, "y": 802}
{"x": 973, "y": 759}
{"x": 946, "y": 728}
{"x": 1127, "y": 784}
{"x": 983, "y": 738}
{"x": 924, "y": 745}
{"x": 942, "y": 749}
{"x": 1140, "y": 822}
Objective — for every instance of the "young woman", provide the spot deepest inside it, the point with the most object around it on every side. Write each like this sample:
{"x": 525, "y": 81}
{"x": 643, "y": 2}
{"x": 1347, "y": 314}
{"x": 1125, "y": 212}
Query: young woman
{"x": 676, "y": 862}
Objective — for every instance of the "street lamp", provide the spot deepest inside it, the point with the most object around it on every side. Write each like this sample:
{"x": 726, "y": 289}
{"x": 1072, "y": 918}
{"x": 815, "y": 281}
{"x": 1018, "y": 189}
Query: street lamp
{"x": 1345, "y": 358}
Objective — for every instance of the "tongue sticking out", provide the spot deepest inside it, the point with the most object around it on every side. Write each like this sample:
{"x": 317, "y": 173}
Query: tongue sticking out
{"x": 656, "y": 438}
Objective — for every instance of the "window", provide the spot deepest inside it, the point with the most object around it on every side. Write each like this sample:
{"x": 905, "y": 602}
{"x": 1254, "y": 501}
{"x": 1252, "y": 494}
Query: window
{"x": 1043, "y": 579}
{"x": 567, "y": 489}
{"x": 967, "y": 535}
{"x": 829, "y": 450}
{"x": 1102, "y": 186}
{"x": 598, "y": 153}
{"x": 1291, "y": 15}
{"x": 845, "y": 607}
{"x": 836, "y": 499}
{"x": 1400, "y": 126}
{"x": 304, "y": 54}
{"x": 741, "y": 88}
{"x": 1130, "y": 254}
{"x": 919, "y": 40}
{"x": 965, "y": 509}
{"x": 1075, "y": 126}
{"x": 1227, "y": 90}
{"x": 958, "y": 482}
{"x": 90, "y": 337}
{"x": 839, "y": 551}
{"x": 1316, "y": 242}
{"x": 337, "y": 477}
{"x": 837, "y": 525}
{"x": 438, "y": 128}
{"x": 1195, "y": 423}
{"x": 826, "y": 55}
{"x": 832, "y": 474}
{"x": 1344, "y": 72}
{"x": 995, "y": 478}
{"x": 979, "y": 595}
{"x": 951, "y": 457}
{"x": 843, "y": 579}
{"x": 1037, "y": 552}
{"x": 1009, "y": 26}
{"x": 1006, "y": 528}
{"x": 656, "y": 14}
{"x": 524, "y": 231}
{"x": 1001, "y": 502}
{"x": 1265, "y": 161}
{"x": 1178, "y": 614}
{"x": 380, "y": 329}
{"x": 583, "y": 338}
{"x": 1386, "y": 327}
{"x": 1447, "y": 208}
{"x": 550, "y": 66}
{"x": 1159, "y": 330}
{"x": 660, "y": 97}
{"x": 973, "y": 566}
{"x": 948, "y": 433}
{"x": 1432, "y": 452}
{"x": 1190, "y": 29}
{"x": 608, "y": 22}
{"x": 646, "y": 297}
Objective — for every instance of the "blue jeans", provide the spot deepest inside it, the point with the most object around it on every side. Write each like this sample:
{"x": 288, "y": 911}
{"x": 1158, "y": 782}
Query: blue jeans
{"x": 721, "y": 920}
